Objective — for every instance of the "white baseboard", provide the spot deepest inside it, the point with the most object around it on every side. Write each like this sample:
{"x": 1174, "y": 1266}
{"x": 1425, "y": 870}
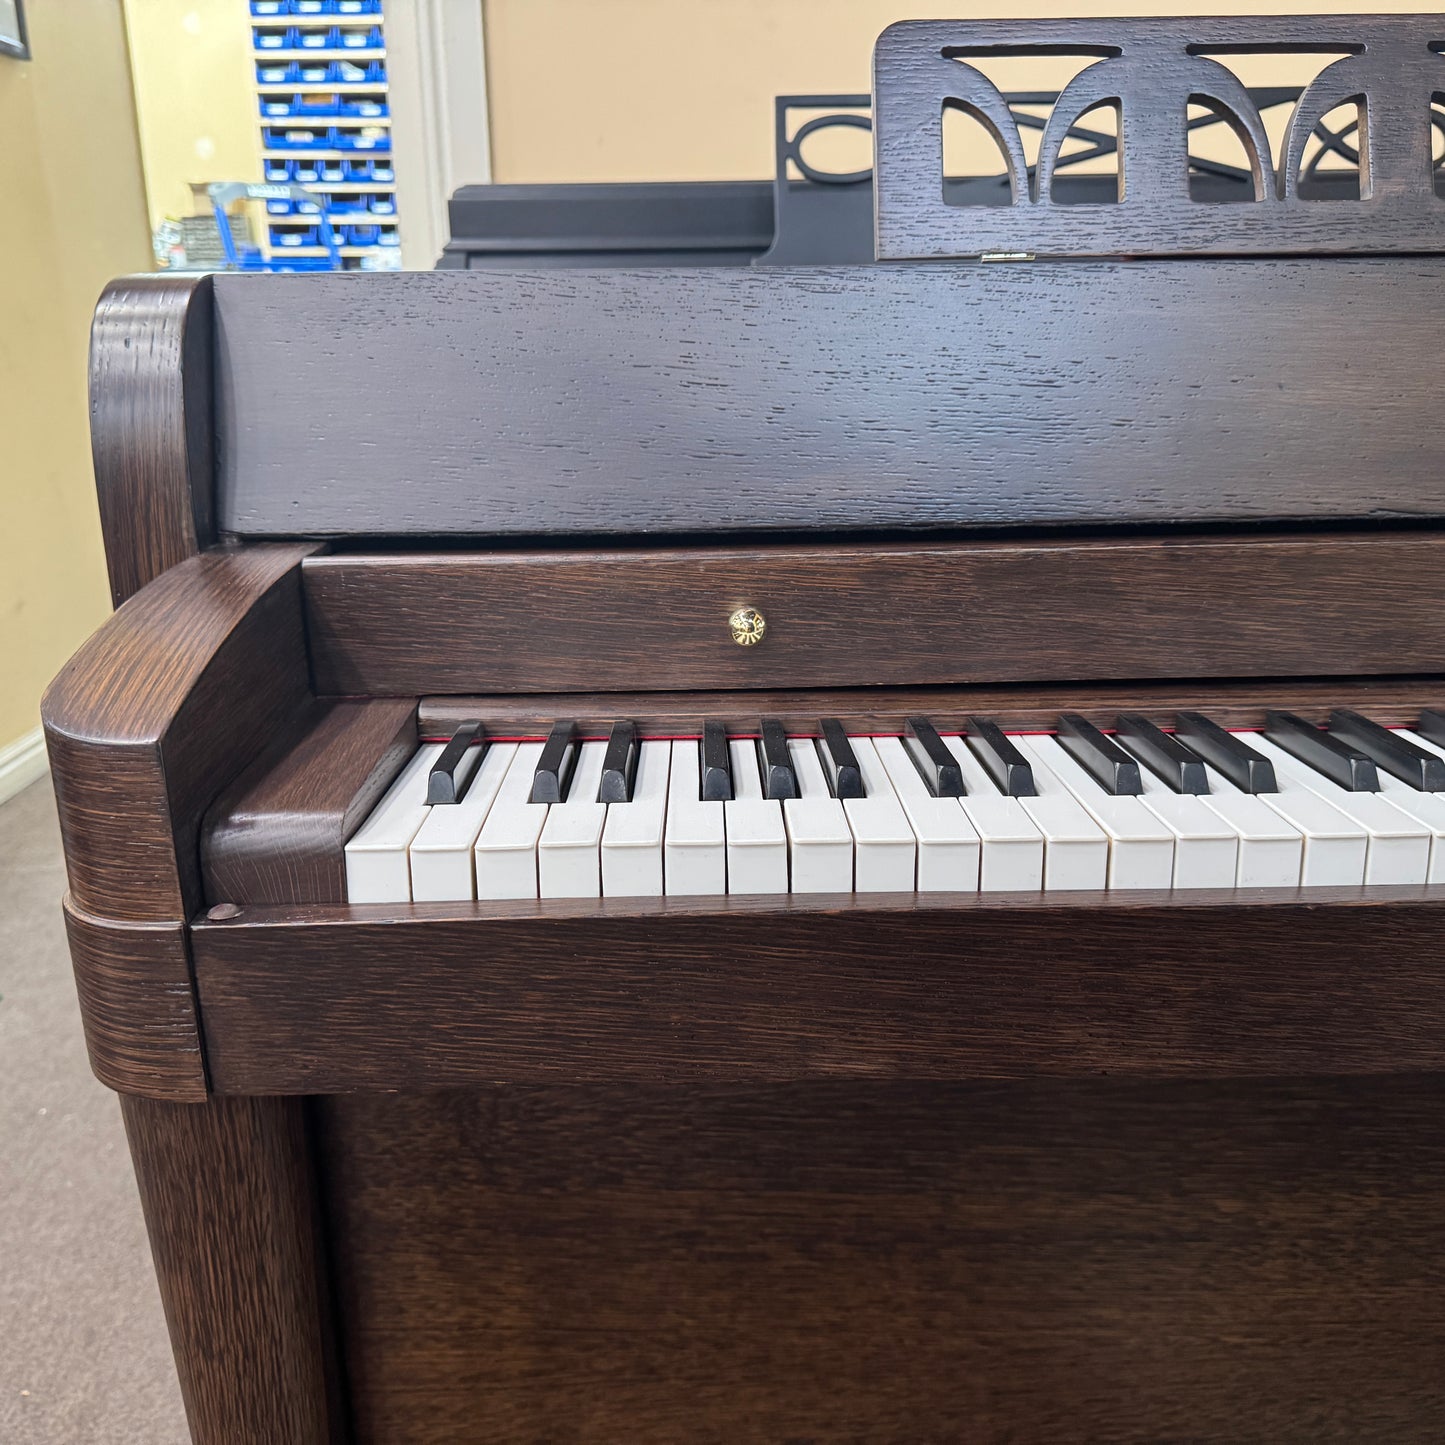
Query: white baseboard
{"x": 21, "y": 763}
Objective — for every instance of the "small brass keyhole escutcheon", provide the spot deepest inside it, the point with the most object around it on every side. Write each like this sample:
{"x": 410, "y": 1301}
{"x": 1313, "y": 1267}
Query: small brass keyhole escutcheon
{"x": 748, "y": 626}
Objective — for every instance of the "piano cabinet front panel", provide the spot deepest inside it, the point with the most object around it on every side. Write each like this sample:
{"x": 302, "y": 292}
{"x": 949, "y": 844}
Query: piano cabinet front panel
{"x": 1058, "y": 1260}
{"x": 1222, "y": 983}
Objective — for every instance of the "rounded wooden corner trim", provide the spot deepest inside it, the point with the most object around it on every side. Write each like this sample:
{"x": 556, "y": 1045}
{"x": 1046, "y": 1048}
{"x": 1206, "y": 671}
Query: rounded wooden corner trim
{"x": 150, "y": 424}
{"x": 138, "y": 1005}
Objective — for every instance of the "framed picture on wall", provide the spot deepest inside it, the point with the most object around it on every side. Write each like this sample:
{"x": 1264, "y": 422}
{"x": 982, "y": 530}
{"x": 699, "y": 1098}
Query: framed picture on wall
{"x": 12, "y": 29}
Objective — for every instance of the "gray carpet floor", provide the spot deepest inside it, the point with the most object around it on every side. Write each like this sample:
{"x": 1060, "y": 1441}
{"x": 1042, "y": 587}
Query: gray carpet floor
{"x": 84, "y": 1358}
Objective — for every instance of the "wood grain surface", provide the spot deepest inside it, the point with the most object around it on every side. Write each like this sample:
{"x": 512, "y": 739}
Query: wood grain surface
{"x": 232, "y": 1209}
{"x": 1200, "y": 983}
{"x": 1153, "y": 69}
{"x": 1394, "y": 702}
{"x": 150, "y": 424}
{"x": 276, "y": 835}
{"x": 187, "y": 681}
{"x": 155, "y": 713}
{"x": 1055, "y": 1260}
{"x": 138, "y": 1005}
{"x": 872, "y": 615}
{"x": 202, "y": 666}
{"x": 734, "y": 400}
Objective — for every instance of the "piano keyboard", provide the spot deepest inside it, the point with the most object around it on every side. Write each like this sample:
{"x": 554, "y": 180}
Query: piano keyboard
{"x": 925, "y": 810}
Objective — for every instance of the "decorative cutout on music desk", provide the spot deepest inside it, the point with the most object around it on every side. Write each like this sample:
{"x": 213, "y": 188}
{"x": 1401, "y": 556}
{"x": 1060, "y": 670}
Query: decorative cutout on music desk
{"x": 1365, "y": 129}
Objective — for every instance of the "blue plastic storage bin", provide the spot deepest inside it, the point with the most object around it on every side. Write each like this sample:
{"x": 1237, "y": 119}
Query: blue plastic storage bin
{"x": 296, "y": 137}
{"x": 292, "y": 208}
{"x": 368, "y": 39}
{"x": 292, "y": 236}
{"x": 343, "y": 138}
{"x": 361, "y": 108}
{"x": 318, "y": 105}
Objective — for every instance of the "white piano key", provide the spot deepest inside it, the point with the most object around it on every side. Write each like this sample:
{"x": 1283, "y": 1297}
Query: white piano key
{"x": 1398, "y": 847}
{"x": 820, "y": 842}
{"x": 1269, "y": 850}
{"x": 1076, "y": 848}
{"x": 506, "y": 848}
{"x": 632, "y": 839}
{"x": 757, "y": 842}
{"x": 377, "y": 867}
{"x": 1334, "y": 846}
{"x": 948, "y": 845}
{"x": 1141, "y": 847}
{"x": 1420, "y": 741}
{"x": 694, "y": 844}
{"x": 1206, "y": 848}
{"x": 1011, "y": 848}
{"x": 1206, "y": 842}
{"x": 1426, "y": 808}
{"x": 569, "y": 851}
{"x": 441, "y": 852}
{"x": 885, "y": 851}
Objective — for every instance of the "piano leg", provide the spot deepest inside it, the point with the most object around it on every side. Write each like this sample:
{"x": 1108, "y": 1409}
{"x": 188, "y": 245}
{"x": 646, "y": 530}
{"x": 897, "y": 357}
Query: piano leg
{"x": 231, "y": 1210}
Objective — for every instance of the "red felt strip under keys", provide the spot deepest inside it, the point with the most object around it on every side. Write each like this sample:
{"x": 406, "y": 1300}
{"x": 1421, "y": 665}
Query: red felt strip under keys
{"x": 697, "y": 737}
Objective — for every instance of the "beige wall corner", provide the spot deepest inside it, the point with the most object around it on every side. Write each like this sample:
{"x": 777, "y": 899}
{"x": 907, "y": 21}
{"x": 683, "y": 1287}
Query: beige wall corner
{"x": 76, "y": 217}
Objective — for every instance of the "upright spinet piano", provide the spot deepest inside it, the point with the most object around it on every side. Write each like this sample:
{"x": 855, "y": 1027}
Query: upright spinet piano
{"x": 797, "y": 854}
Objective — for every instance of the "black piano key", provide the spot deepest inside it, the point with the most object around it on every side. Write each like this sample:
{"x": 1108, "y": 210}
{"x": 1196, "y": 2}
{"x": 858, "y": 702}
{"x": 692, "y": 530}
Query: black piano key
{"x": 554, "y": 767}
{"x": 938, "y": 767}
{"x": 1405, "y": 760}
{"x": 619, "y": 764}
{"x": 1328, "y": 756}
{"x": 1163, "y": 755}
{"x": 779, "y": 779}
{"x": 1003, "y": 761}
{"x": 1099, "y": 756}
{"x": 1247, "y": 769}
{"x": 840, "y": 761}
{"x": 717, "y": 768}
{"x": 448, "y": 780}
{"x": 1431, "y": 725}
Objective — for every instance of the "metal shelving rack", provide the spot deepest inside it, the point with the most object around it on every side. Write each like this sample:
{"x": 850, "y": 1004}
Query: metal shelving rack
{"x": 324, "y": 113}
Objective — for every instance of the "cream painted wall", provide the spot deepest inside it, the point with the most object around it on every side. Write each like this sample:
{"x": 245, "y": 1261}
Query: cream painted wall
{"x": 602, "y": 90}
{"x": 76, "y": 217}
{"x": 194, "y": 97}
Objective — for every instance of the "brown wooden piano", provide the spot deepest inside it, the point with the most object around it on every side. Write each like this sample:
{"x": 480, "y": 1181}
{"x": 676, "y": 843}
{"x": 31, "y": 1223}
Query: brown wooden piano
{"x": 798, "y": 854}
